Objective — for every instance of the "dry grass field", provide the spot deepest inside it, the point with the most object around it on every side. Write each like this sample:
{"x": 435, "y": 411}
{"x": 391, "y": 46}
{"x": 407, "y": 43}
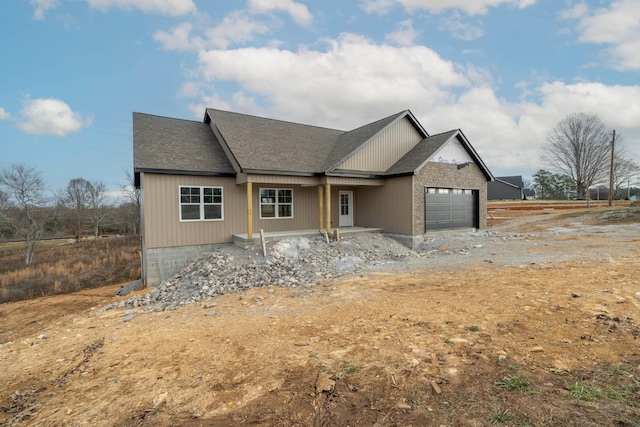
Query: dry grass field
{"x": 63, "y": 266}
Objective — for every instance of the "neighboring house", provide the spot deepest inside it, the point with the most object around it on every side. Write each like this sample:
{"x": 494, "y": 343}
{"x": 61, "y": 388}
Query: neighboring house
{"x": 506, "y": 188}
{"x": 529, "y": 194}
{"x": 224, "y": 179}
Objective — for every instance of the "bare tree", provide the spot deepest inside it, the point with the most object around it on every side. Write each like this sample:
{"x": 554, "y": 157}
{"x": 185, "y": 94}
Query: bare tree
{"x": 24, "y": 205}
{"x": 97, "y": 206}
{"x": 625, "y": 171}
{"x": 132, "y": 194}
{"x": 578, "y": 146}
{"x": 76, "y": 200}
{"x": 86, "y": 204}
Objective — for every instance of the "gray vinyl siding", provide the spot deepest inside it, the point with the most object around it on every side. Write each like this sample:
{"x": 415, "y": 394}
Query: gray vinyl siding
{"x": 384, "y": 149}
{"x": 497, "y": 190}
{"x": 162, "y": 226}
{"x": 389, "y": 207}
{"x": 444, "y": 175}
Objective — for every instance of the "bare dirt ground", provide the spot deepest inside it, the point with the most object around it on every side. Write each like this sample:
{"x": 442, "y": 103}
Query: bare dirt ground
{"x": 470, "y": 344}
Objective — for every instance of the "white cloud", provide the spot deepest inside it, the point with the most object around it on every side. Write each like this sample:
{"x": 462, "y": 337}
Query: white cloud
{"x": 577, "y": 11}
{"x": 163, "y": 7}
{"x": 179, "y": 38}
{"x": 41, "y": 6}
{"x": 351, "y": 80}
{"x": 509, "y": 136}
{"x": 353, "y": 72}
{"x": 470, "y": 7}
{"x": 235, "y": 28}
{"x": 459, "y": 29}
{"x": 617, "y": 26}
{"x": 405, "y": 34}
{"x": 298, "y": 11}
{"x": 4, "y": 115}
{"x": 50, "y": 116}
{"x": 379, "y": 7}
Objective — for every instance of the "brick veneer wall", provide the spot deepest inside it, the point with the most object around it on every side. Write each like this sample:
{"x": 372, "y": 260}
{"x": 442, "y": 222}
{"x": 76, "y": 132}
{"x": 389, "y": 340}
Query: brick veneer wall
{"x": 448, "y": 176}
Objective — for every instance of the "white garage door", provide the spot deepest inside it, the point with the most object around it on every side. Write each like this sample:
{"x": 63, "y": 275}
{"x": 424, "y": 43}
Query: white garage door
{"x": 450, "y": 208}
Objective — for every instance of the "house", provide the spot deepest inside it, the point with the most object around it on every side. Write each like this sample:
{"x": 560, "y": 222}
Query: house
{"x": 529, "y": 194}
{"x": 506, "y": 188}
{"x": 225, "y": 178}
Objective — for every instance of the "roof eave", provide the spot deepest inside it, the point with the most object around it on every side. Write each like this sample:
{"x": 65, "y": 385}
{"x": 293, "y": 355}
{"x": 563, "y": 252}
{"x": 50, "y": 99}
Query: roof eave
{"x": 485, "y": 170}
{"x": 474, "y": 155}
{"x": 278, "y": 172}
{"x": 184, "y": 172}
{"x": 353, "y": 174}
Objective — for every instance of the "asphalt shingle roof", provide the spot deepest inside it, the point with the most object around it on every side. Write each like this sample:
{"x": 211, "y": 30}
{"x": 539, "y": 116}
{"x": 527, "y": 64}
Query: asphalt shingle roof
{"x": 163, "y": 143}
{"x": 513, "y": 180}
{"x": 260, "y": 144}
{"x": 272, "y": 145}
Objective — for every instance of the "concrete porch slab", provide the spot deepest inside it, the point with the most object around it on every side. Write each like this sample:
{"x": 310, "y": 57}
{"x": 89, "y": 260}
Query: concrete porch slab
{"x": 245, "y": 242}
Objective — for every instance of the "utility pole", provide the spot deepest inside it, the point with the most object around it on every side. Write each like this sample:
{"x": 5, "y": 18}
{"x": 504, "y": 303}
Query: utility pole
{"x": 613, "y": 143}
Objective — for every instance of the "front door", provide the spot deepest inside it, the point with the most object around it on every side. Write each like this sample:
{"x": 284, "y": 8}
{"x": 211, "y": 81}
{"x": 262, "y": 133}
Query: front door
{"x": 346, "y": 209}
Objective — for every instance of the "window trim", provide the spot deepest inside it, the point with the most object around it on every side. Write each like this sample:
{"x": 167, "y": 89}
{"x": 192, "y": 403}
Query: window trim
{"x": 276, "y": 204}
{"x": 201, "y": 203}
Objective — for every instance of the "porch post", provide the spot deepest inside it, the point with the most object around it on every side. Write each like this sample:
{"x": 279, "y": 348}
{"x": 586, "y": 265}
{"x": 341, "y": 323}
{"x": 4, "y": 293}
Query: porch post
{"x": 327, "y": 206}
{"x": 249, "y": 210}
{"x": 320, "y": 208}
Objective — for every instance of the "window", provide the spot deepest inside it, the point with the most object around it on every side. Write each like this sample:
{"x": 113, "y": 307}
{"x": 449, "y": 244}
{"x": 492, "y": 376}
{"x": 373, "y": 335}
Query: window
{"x": 276, "y": 203}
{"x": 201, "y": 204}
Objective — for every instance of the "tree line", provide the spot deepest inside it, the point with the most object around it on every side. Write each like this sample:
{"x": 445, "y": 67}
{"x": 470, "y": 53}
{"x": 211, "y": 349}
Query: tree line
{"x": 83, "y": 208}
{"x": 581, "y": 152}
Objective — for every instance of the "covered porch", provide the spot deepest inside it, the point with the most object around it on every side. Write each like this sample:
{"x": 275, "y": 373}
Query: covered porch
{"x": 325, "y": 201}
{"x": 244, "y": 241}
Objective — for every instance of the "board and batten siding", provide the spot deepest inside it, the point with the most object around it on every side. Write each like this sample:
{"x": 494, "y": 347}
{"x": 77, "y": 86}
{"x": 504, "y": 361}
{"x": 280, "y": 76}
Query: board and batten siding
{"x": 385, "y": 149}
{"x": 162, "y": 225}
{"x": 389, "y": 207}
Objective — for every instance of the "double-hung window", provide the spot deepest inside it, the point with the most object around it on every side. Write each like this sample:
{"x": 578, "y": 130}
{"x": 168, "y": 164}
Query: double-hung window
{"x": 201, "y": 204}
{"x": 276, "y": 203}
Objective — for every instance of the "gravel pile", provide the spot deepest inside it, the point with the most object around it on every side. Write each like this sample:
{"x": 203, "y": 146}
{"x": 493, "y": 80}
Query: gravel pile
{"x": 289, "y": 263}
{"x": 304, "y": 262}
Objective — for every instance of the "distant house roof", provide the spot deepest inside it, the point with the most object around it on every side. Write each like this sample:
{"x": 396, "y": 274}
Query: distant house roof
{"x": 515, "y": 180}
{"x": 228, "y": 143}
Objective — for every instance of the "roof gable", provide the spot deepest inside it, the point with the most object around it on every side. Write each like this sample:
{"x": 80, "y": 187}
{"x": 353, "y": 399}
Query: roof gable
{"x": 418, "y": 156}
{"x": 421, "y": 154}
{"x": 378, "y": 152}
{"x": 352, "y": 143}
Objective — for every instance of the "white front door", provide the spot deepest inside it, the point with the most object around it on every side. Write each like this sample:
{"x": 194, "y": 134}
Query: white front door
{"x": 346, "y": 209}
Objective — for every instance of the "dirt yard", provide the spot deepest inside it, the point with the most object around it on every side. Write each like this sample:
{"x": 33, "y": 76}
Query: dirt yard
{"x": 542, "y": 345}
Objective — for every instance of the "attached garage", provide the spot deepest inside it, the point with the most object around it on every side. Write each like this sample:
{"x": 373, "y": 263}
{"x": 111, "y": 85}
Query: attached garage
{"x": 450, "y": 208}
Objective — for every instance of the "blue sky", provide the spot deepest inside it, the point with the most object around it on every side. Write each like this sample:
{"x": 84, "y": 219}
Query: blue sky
{"x": 504, "y": 71}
